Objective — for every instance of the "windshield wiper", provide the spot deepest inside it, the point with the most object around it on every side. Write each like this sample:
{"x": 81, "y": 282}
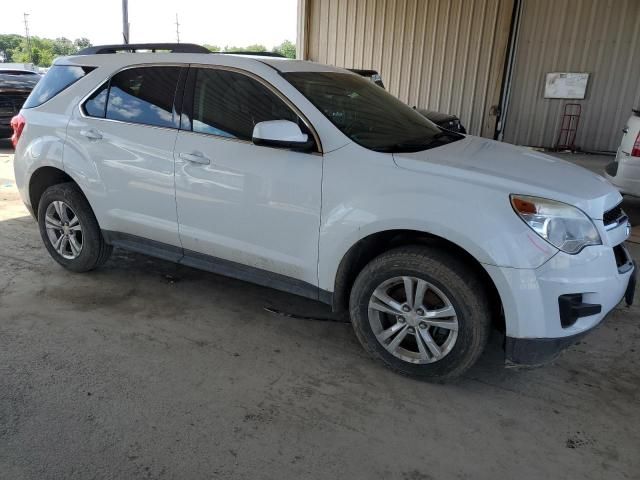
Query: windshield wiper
{"x": 416, "y": 146}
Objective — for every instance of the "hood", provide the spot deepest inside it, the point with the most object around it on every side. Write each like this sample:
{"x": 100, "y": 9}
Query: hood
{"x": 511, "y": 169}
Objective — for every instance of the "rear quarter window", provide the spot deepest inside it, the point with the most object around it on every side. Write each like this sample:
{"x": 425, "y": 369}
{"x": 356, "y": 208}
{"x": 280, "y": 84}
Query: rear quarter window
{"x": 56, "y": 80}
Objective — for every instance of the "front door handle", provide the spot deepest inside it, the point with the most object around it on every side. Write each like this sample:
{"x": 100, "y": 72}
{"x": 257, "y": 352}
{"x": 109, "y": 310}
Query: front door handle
{"x": 91, "y": 134}
{"x": 195, "y": 157}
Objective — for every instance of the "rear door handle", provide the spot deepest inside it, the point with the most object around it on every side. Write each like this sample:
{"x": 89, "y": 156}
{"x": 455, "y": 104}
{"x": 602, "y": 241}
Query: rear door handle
{"x": 91, "y": 134}
{"x": 625, "y": 130}
{"x": 195, "y": 157}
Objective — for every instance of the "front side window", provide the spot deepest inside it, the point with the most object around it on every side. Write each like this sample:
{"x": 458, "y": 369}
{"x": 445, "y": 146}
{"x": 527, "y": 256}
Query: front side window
{"x": 367, "y": 114}
{"x": 56, "y": 80}
{"x": 229, "y": 104}
{"x": 144, "y": 95}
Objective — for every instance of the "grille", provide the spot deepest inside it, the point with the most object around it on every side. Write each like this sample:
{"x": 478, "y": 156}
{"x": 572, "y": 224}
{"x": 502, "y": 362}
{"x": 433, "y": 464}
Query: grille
{"x": 11, "y": 103}
{"x": 610, "y": 216}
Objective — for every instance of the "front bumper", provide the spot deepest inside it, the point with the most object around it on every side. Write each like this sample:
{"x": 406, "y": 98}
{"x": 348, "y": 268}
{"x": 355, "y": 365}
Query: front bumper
{"x": 538, "y": 351}
{"x": 530, "y": 297}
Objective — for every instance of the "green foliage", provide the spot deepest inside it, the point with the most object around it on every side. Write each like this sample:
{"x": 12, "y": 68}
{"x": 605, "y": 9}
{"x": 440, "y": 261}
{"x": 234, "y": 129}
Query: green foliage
{"x": 286, "y": 48}
{"x": 14, "y": 48}
{"x": 249, "y": 48}
{"x": 7, "y": 44}
{"x": 81, "y": 43}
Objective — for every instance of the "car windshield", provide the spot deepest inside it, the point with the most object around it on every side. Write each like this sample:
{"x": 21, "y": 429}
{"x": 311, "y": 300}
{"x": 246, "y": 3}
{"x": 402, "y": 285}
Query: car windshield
{"x": 367, "y": 114}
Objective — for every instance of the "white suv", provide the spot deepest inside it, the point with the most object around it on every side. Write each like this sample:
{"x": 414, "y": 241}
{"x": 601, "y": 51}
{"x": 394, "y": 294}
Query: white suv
{"x": 310, "y": 179}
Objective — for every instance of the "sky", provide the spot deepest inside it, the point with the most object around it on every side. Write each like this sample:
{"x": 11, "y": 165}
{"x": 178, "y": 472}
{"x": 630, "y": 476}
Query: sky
{"x": 215, "y": 22}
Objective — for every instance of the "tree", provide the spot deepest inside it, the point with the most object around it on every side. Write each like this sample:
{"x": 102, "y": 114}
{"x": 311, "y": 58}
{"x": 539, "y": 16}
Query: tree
{"x": 63, "y": 46}
{"x": 212, "y": 48}
{"x": 286, "y": 48}
{"x": 249, "y": 48}
{"x": 81, "y": 43}
{"x": 7, "y": 44}
{"x": 43, "y": 50}
{"x": 41, "y": 53}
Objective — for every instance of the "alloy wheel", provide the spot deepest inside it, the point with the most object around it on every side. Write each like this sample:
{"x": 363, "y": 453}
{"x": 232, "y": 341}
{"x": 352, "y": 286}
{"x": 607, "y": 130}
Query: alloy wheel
{"x": 413, "y": 319}
{"x": 63, "y": 229}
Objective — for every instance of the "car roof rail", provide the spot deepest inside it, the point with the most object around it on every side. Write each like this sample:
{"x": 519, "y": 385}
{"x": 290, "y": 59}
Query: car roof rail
{"x": 134, "y": 47}
{"x": 257, "y": 54}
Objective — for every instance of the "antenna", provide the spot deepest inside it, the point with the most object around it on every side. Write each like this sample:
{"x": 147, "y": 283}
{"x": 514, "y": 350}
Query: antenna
{"x": 177, "y": 29}
{"x": 26, "y": 31}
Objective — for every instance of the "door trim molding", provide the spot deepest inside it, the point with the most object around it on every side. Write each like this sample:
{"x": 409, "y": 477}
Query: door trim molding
{"x": 216, "y": 265}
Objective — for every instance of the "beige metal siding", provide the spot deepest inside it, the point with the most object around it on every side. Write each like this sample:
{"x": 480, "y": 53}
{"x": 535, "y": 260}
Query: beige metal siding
{"x": 600, "y": 37}
{"x": 445, "y": 55}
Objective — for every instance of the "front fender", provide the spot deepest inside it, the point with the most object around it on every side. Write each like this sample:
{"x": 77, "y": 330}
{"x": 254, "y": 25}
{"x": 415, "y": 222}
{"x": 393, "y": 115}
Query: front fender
{"x": 382, "y": 197}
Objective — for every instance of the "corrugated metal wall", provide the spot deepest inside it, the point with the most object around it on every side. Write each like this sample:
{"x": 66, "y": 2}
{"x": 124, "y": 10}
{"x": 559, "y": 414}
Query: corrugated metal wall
{"x": 445, "y": 55}
{"x": 600, "y": 37}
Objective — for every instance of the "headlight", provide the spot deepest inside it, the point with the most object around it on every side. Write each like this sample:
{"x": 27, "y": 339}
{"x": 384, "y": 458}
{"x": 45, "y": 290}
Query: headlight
{"x": 564, "y": 226}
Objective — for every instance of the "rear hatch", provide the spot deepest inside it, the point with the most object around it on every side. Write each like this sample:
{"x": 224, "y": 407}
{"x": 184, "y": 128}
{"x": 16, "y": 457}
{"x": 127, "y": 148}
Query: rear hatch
{"x": 14, "y": 90}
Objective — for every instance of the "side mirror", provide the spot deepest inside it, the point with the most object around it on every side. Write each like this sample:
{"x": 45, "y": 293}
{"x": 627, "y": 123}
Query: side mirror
{"x": 281, "y": 134}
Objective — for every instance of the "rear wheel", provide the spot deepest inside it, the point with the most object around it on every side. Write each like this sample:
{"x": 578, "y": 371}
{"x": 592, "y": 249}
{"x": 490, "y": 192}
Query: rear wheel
{"x": 70, "y": 230}
{"x": 421, "y": 311}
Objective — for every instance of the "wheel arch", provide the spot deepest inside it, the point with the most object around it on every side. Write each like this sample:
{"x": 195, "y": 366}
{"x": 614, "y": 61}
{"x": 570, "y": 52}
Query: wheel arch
{"x": 43, "y": 178}
{"x": 375, "y": 244}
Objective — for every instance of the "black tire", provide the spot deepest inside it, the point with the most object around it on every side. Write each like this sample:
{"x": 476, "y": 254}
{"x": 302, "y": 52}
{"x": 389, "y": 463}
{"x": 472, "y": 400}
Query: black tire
{"x": 95, "y": 251}
{"x": 452, "y": 277}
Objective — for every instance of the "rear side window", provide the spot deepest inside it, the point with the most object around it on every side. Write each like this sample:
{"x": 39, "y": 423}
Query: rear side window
{"x": 56, "y": 80}
{"x": 96, "y": 104}
{"x": 142, "y": 95}
{"x": 229, "y": 104}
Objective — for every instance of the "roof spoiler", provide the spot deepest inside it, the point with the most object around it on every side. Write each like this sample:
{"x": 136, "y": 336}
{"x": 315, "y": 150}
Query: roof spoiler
{"x": 134, "y": 47}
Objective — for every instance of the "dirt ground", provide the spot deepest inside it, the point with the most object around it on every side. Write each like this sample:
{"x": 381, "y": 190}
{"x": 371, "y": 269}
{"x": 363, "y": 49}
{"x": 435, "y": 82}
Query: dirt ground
{"x": 144, "y": 369}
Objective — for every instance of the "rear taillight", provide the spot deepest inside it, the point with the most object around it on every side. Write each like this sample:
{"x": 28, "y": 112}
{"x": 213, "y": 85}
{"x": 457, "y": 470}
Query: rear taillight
{"x": 17, "y": 123}
{"x": 635, "y": 152}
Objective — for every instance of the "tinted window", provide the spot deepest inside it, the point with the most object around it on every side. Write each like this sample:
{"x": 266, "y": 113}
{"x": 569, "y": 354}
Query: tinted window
{"x": 96, "y": 104}
{"x": 367, "y": 114}
{"x": 144, "y": 95}
{"x": 229, "y": 104}
{"x": 57, "y": 79}
{"x": 17, "y": 72}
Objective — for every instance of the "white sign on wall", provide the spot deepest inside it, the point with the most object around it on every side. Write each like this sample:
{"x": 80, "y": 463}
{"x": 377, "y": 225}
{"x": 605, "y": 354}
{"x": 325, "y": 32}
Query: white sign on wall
{"x": 566, "y": 85}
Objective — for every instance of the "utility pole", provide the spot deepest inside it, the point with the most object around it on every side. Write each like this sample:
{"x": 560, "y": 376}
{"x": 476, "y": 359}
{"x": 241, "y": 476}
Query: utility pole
{"x": 125, "y": 21}
{"x": 177, "y": 29}
{"x": 26, "y": 31}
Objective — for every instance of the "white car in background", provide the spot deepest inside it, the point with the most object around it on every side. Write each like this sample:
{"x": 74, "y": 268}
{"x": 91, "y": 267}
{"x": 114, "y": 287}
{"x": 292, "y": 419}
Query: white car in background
{"x": 624, "y": 172}
{"x": 311, "y": 179}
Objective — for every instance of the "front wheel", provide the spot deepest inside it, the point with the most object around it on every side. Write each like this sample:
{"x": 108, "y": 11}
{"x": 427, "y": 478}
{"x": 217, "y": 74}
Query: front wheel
{"x": 421, "y": 311}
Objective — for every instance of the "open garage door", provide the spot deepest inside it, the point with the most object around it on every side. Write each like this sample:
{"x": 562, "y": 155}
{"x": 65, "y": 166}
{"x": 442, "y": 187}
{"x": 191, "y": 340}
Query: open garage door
{"x": 443, "y": 55}
{"x": 600, "y": 38}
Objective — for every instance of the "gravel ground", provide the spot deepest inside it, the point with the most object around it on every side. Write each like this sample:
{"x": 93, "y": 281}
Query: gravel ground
{"x": 145, "y": 369}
